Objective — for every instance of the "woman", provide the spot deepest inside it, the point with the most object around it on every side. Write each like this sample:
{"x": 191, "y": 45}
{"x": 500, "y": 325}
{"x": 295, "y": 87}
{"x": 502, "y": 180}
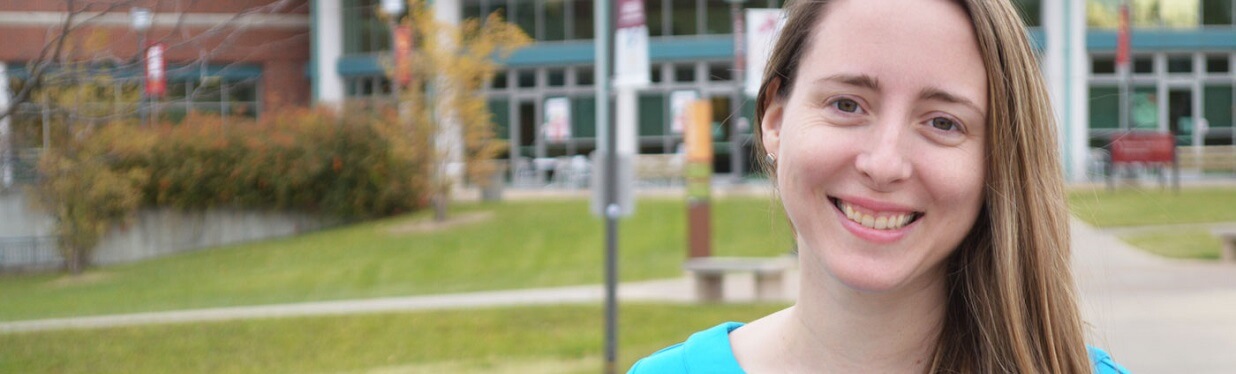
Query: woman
{"x": 913, "y": 147}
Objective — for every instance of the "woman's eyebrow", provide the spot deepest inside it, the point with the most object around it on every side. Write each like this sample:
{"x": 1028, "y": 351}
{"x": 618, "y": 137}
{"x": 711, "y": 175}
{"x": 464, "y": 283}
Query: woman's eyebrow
{"x": 857, "y": 80}
{"x": 936, "y": 94}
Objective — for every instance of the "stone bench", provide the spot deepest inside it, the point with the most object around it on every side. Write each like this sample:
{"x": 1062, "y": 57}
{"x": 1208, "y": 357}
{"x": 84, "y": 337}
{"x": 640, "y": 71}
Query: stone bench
{"x": 709, "y": 273}
{"x": 1227, "y": 237}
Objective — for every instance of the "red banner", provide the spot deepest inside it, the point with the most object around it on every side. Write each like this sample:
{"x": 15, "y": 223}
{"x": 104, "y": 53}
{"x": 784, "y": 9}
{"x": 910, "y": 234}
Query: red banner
{"x": 403, "y": 55}
{"x": 156, "y": 69}
{"x": 1146, "y": 147}
{"x": 1122, "y": 38}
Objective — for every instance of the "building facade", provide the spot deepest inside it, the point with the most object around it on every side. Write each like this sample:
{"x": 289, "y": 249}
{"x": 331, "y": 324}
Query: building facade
{"x": 230, "y": 57}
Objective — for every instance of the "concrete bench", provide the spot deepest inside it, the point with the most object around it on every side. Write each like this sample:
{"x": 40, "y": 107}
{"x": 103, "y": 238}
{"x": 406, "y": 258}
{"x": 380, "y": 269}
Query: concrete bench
{"x": 1227, "y": 237}
{"x": 709, "y": 273}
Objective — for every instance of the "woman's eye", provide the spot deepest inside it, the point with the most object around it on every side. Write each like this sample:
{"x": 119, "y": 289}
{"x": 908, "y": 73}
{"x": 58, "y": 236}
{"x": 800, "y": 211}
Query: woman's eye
{"x": 945, "y": 124}
{"x": 846, "y": 105}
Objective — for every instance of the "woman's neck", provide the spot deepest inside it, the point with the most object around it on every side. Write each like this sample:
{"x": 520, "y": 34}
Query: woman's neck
{"x": 836, "y": 329}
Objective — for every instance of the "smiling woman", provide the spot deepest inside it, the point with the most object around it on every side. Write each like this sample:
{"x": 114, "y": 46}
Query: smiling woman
{"x": 912, "y": 144}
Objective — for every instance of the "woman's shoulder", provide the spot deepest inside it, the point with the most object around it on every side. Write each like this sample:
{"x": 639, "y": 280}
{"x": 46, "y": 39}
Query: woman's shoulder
{"x": 1103, "y": 363}
{"x": 707, "y": 351}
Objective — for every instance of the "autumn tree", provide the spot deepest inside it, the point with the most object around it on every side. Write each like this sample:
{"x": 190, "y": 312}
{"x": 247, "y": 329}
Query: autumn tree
{"x": 441, "y": 97}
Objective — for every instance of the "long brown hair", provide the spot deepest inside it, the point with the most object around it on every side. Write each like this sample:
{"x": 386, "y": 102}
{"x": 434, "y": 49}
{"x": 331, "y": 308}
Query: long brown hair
{"x": 1011, "y": 298}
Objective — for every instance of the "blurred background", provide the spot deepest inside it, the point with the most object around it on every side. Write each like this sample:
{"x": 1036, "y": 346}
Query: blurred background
{"x": 391, "y": 186}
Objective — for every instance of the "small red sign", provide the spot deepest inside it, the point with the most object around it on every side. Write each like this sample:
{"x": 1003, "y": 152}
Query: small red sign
{"x": 156, "y": 69}
{"x": 1146, "y": 147}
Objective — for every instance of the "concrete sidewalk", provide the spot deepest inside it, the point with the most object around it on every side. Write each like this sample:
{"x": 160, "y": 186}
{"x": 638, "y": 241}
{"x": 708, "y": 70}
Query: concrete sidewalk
{"x": 1153, "y": 315}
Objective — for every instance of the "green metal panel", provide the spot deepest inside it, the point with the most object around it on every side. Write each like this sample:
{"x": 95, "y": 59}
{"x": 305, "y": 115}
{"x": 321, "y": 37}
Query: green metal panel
{"x": 652, "y": 114}
{"x": 1104, "y": 107}
{"x": 1218, "y": 105}
{"x": 583, "y": 117}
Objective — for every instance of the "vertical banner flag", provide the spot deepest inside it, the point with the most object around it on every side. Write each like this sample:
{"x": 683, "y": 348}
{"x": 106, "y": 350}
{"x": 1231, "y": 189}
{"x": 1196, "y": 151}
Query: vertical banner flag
{"x": 557, "y": 124}
{"x": 1122, "y": 37}
{"x": 156, "y": 77}
{"x": 631, "y": 66}
{"x": 763, "y": 27}
{"x": 403, "y": 55}
{"x": 679, "y": 100}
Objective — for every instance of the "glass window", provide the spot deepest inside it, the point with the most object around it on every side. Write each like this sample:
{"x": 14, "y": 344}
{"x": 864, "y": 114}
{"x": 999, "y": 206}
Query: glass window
{"x": 1179, "y": 13}
{"x": 1217, "y": 12}
{"x": 1144, "y": 108}
{"x": 555, "y": 20}
{"x": 525, "y": 17}
{"x": 1179, "y": 64}
{"x": 654, "y": 74}
{"x": 720, "y": 72}
{"x": 1217, "y": 64}
{"x": 1218, "y": 105}
{"x": 655, "y": 13}
{"x": 557, "y": 77}
{"x": 683, "y": 17}
{"x": 500, "y": 111}
{"x": 527, "y": 78}
{"x": 684, "y": 73}
{"x": 499, "y": 81}
{"x": 472, "y": 9}
{"x": 584, "y": 75}
{"x": 1143, "y": 64}
{"x": 1030, "y": 12}
{"x": 1103, "y": 65}
{"x": 583, "y": 19}
{"x": 718, "y": 19}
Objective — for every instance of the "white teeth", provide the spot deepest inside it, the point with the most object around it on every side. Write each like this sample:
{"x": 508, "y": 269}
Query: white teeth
{"x": 879, "y": 223}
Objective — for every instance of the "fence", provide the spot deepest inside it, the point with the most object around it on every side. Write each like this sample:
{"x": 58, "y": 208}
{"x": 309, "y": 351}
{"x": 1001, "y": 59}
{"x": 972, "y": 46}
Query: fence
{"x": 29, "y": 253}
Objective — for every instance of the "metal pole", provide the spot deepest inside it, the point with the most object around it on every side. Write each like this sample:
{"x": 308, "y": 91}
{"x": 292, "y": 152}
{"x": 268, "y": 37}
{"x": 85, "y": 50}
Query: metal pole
{"x": 736, "y": 156}
{"x": 141, "y": 101}
{"x": 601, "y": 36}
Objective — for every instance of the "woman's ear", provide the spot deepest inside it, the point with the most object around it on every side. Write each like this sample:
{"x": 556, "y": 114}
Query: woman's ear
{"x": 770, "y": 124}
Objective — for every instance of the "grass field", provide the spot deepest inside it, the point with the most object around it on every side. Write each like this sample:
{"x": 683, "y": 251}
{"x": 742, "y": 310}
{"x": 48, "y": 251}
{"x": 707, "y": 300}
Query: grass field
{"x": 1188, "y": 243}
{"x": 1149, "y": 207}
{"x": 506, "y": 246}
{"x": 551, "y": 339}
{"x": 1139, "y": 207}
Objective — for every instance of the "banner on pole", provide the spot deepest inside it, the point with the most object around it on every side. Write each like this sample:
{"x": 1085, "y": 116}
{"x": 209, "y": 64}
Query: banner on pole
{"x": 403, "y": 55}
{"x": 156, "y": 69}
{"x": 557, "y": 126}
{"x": 763, "y": 27}
{"x": 679, "y": 100}
{"x": 1122, "y": 37}
{"x": 631, "y": 65}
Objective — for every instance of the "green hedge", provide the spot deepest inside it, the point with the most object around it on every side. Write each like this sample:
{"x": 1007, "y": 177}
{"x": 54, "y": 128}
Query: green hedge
{"x": 352, "y": 165}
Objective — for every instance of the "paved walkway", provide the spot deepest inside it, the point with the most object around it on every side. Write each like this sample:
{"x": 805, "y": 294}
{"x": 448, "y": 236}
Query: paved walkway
{"x": 1153, "y": 315}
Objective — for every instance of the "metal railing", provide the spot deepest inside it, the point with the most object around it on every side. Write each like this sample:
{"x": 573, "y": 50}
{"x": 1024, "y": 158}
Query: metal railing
{"x": 29, "y": 253}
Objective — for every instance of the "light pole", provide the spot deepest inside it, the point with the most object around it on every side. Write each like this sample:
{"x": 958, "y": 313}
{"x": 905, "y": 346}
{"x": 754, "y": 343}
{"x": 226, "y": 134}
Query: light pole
{"x": 740, "y": 50}
{"x": 140, "y": 19}
{"x": 393, "y": 10}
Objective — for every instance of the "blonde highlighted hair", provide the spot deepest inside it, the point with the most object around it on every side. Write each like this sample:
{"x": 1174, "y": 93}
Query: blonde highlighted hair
{"x": 1011, "y": 300}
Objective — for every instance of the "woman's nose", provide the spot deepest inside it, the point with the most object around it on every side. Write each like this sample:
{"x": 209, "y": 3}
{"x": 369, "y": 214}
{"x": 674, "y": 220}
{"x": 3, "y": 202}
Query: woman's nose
{"x": 883, "y": 160}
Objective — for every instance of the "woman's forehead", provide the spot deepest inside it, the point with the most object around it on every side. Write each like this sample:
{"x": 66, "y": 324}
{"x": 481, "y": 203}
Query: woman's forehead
{"x": 908, "y": 45}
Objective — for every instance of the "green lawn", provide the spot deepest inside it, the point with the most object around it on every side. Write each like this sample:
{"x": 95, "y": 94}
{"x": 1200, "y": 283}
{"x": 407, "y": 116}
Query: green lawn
{"x": 522, "y": 244}
{"x": 1189, "y": 243}
{"x": 1138, "y": 207}
{"x": 1149, "y": 207}
{"x": 557, "y": 339}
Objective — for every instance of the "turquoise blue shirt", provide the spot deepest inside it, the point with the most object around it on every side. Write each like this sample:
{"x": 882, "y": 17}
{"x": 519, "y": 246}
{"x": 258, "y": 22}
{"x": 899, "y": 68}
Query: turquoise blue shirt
{"x": 709, "y": 351}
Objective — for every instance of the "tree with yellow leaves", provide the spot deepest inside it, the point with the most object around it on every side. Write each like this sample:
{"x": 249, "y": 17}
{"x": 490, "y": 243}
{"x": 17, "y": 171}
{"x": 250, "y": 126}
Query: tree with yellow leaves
{"x": 441, "y": 98}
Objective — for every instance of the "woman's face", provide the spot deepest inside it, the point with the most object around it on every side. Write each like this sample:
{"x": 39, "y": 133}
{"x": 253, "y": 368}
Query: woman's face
{"x": 880, "y": 144}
